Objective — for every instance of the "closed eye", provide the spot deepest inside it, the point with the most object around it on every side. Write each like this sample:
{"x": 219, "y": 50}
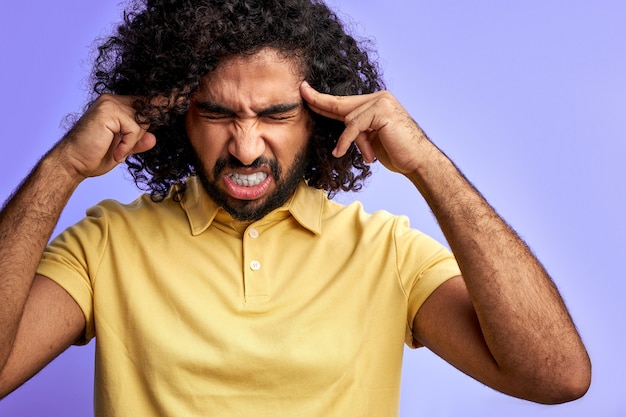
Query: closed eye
{"x": 213, "y": 111}
{"x": 280, "y": 116}
{"x": 215, "y": 116}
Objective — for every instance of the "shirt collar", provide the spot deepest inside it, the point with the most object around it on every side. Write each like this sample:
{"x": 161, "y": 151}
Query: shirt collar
{"x": 305, "y": 206}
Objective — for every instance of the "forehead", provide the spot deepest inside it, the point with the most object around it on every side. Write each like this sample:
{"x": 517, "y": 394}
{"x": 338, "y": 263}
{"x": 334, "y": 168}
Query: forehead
{"x": 265, "y": 77}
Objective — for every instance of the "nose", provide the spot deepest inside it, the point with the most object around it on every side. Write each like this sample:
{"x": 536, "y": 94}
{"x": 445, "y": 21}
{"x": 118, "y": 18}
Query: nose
{"x": 247, "y": 143}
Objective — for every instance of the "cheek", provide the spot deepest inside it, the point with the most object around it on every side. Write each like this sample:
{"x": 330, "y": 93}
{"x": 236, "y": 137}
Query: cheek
{"x": 205, "y": 141}
{"x": 297, "y": 136}
{"x": 300, "y": 139}
{"x": 284, "y": 145}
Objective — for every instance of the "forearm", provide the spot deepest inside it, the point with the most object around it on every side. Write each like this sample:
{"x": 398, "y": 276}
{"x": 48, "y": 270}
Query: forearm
{"x": 26, "y": 224}
{"x": 522, "y": 317}
{"x": 514, "y": 321}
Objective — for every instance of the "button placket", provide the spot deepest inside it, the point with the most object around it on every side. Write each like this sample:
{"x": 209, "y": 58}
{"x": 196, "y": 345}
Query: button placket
{"x": 256, "y": 285}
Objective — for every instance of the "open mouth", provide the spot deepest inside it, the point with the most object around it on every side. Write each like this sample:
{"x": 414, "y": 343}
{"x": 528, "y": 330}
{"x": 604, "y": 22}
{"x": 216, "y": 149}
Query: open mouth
{"x": 250, "y": 180}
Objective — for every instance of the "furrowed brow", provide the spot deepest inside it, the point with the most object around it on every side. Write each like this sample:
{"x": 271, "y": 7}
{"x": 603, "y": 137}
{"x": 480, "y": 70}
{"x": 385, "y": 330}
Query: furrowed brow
{"x": 279, "y": 108}
{"x": 211, "y": 107}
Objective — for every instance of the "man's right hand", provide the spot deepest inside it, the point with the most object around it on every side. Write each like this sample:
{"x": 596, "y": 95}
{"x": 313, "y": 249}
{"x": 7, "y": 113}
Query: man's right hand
{"x": 103, "y": 137}
{"x": 38, "y": 318}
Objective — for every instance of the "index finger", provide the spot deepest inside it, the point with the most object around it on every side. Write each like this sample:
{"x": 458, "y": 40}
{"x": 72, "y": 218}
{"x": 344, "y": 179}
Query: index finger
{"x": 328, "y": 105}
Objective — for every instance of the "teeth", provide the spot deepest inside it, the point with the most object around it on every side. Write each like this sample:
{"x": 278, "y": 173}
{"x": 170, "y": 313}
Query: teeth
{"x": 248, "y": 180}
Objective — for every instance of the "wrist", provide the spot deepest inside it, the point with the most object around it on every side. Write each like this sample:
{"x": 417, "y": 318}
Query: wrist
{"x": 56, "y": 165}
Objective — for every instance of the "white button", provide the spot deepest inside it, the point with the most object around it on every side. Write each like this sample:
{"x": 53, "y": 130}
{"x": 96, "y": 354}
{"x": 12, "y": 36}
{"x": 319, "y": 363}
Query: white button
{"x": 253, "y": 233}
{"x": 255, "y": 265}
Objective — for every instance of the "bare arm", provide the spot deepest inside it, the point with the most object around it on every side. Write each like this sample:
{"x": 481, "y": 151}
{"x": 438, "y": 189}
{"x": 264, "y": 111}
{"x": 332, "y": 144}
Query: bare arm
{"x": 523, "y": 340}
{"x": 503, "y": 322}
{"x": 26, "y": 224}
{"x": 35, "y": 312}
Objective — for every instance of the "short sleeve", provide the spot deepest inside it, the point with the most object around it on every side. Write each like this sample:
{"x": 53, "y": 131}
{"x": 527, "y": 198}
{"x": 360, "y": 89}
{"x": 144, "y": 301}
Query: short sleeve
{"x": 423, "y": 265}
{"x": 72, "y": 260}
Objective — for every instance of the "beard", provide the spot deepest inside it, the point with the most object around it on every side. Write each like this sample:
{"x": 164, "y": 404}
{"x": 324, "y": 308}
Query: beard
{"x": 251, "y": 210}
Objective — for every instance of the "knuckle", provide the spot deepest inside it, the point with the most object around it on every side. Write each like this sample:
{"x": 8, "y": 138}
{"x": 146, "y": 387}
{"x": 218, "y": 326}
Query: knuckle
{"x": 106, "y": 98}
{"x": 387, "y": 99}
{"x": 350, "y": 119}
{"x": 105, "y": 104}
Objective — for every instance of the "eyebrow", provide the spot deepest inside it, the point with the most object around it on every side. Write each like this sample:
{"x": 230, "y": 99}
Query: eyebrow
{"x": 209, "y": 106}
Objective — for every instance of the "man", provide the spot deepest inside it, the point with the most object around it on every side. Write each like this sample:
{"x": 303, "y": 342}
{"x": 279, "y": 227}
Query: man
{"x": 236, "y": 287}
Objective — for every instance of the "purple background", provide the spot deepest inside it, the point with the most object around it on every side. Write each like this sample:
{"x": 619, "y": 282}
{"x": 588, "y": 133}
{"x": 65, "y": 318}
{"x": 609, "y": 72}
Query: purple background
{"x": 528, "y": 98}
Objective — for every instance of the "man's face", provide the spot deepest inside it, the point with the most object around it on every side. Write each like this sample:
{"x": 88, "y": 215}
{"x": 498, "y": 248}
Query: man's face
{"x": 249, "y": 128}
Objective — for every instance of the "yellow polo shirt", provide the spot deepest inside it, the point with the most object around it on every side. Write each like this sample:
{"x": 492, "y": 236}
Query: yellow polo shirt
{"x": 302, "y": 313}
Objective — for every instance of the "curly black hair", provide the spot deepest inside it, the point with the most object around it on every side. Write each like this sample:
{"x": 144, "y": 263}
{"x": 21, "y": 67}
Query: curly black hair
{"x": 164, "y": 47}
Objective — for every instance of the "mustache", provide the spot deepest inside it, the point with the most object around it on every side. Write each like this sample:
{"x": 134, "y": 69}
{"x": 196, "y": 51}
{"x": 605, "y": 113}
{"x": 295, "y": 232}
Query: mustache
{"x": 232, "y": 162}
